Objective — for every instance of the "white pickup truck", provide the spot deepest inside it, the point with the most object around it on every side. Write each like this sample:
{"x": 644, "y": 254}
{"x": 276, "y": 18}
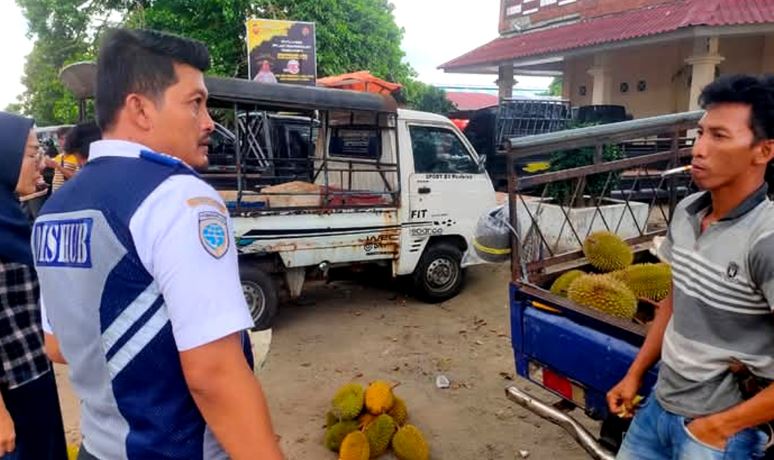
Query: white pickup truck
{"x": 365, "y": 183}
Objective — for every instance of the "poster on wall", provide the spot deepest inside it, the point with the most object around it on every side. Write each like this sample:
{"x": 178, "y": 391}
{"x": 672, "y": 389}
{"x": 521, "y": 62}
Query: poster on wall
{"x": 282, "y": 52}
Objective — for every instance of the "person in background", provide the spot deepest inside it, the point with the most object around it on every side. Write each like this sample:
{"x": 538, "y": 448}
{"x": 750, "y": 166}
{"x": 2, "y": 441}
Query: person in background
{"x": 61, "y": 135}
{"x": 30, "y": 418}
{"x": 72, "y": 158}
{"x": 80, "y": 138}
{"x": 139, "y": 276}
{"x": 49, "y": 152}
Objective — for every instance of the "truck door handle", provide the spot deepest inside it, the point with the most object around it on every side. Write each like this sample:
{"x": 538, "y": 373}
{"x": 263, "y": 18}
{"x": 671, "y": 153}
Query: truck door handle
{"x": 424, "y": 190}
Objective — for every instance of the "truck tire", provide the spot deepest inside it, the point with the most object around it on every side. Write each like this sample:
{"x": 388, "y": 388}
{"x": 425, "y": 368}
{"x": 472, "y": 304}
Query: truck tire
{"x": 439, "y": 276}
{"x": 261, "y": 296}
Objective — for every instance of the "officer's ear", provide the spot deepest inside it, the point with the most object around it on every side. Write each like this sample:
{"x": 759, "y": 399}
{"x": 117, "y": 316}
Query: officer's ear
{"x": 140, "y": 110}
{"x": 765, "y": 152}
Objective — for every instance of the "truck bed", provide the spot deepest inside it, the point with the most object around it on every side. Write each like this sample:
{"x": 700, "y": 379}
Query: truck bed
{"x": 575, "y": 352}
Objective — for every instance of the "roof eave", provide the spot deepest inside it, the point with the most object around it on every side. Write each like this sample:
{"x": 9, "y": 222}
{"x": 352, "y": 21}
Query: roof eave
{"x": 537, "y": 60}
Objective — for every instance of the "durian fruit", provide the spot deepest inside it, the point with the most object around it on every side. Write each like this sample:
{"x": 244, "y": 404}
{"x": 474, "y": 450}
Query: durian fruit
{"x": 399, "y": 412}
{"x": 604, "y": 293}
{"x": 607, "y": 252}
{"x": 365, "y": 419}
{"x": 348, "y": 401}
{"x": 649, "y": 281}
{"x": 331, "y": 419}
{"x": 409, "y": 444}
{"x": 378, "y": 397}
{"x": 355, "y": 447}
{"x": 336, "y": 434}
{"x": 561, "y": 284}
{"x": 379, "y": 434}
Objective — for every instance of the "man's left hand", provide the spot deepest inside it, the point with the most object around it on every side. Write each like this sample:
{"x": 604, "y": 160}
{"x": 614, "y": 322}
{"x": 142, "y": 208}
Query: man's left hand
{"x": 709, "y": 431}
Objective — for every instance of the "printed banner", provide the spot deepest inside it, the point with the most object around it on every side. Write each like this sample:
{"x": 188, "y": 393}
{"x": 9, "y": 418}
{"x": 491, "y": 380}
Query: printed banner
{"x": 282, "y": 52}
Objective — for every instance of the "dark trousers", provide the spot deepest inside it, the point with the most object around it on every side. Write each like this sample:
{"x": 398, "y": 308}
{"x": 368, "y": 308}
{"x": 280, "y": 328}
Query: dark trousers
{"x": 37, "y": 419}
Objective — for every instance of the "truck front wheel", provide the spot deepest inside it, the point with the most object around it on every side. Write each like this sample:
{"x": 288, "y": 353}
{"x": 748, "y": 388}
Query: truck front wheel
{"x": 261, "y": 296}
{"x": 438, "y": 276}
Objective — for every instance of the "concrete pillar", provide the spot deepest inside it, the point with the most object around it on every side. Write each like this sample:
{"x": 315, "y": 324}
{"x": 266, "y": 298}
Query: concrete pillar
{"x": 704, "y": 63}
{"x": 767, "y": 60}
{"x": 602, "y": 83}
{"x": 567, "y": 81}
{"x": 505, "y": 81}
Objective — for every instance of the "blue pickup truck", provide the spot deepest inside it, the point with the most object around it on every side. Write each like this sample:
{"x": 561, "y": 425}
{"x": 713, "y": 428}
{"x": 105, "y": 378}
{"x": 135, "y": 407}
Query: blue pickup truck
{"x": 573, "y": 351}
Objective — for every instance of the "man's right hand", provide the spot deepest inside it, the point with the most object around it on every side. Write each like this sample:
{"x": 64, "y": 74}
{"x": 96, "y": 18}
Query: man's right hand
{"x": 620, "y": 399}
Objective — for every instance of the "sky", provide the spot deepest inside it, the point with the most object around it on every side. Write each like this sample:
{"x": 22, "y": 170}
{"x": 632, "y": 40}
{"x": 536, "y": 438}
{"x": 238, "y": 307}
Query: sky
{"x": 436, "y": 31}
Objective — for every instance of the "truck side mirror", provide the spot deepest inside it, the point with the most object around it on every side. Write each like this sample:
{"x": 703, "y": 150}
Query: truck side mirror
{"x": 482, "y": 163}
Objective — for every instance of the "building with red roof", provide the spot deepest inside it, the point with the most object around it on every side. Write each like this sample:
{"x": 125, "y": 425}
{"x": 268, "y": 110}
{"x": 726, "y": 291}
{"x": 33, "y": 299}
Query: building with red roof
{"x": 651, "y": 56}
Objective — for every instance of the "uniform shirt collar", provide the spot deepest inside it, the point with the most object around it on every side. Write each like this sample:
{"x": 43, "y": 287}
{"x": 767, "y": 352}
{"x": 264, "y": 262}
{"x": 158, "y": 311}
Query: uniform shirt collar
{"x": 123, "y": 149}
{"x": 115, "y": 148}
{"x": 704, "y": 202}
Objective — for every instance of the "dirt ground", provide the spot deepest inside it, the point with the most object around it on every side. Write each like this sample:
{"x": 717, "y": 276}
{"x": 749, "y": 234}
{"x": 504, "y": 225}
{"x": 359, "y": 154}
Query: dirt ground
{"x": 366, "y": 330}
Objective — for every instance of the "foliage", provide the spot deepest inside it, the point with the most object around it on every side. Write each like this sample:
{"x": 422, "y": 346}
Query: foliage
{"x": 595, "y": 185}
{"x": 427, "y": 98}
{"x": 351, "y": 35}
{"x": 555, "y": 88}
{"x": 61, "y": 31}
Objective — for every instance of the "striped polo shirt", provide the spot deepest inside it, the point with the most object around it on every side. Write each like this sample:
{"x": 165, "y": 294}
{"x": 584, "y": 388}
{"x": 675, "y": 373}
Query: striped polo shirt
{"x": 723, "y": 293}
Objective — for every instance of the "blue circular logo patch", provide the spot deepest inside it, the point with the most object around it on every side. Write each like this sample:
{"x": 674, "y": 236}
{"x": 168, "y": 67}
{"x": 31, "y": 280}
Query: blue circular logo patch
{"x": 214, "y": 235}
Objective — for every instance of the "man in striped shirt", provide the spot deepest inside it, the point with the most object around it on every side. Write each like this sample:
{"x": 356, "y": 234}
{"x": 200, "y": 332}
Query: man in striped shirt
{"x": 721, "y": 247}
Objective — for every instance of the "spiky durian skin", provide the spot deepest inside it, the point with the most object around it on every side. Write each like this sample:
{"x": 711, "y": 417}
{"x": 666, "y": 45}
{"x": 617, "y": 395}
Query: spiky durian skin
{"x": 607, "y": 252}
{"x": 379, "y": 434}
{"x": 604, "y": 293}
{"x": 649, "y": 281}
{"x": 409, "y": 444}
{"x": 355, "y": 447}
{"x": 561, "y": 284}
{"x": 348, "y": 401}
{"x": 378, "y": 397}
{"x": 336, "y": 434}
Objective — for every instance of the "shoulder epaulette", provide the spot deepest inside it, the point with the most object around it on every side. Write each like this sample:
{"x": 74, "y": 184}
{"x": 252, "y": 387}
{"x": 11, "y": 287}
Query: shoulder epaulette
{"x": 160, "y": 158}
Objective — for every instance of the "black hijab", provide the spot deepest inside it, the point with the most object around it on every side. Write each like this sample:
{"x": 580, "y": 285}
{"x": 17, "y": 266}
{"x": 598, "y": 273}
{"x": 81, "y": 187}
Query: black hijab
{"x": 14, "y": 226}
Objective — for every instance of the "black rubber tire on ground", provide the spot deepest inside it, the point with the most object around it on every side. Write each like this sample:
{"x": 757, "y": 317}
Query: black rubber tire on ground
{"x": 439, "y": 275}
{"x": 260, "y": 294}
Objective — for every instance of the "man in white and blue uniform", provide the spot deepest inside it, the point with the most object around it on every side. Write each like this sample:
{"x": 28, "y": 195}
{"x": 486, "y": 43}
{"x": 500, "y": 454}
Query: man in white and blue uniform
{"x": 139, "y": 274}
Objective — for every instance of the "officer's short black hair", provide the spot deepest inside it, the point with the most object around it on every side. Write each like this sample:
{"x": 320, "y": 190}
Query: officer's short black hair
{"x": 757, "y": 92}
{"x": 80, "y": 138}
{"x": 140, "y": 61}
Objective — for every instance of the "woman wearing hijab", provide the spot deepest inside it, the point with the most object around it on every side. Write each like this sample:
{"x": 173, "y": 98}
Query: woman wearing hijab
{"x": 30, "y": 418}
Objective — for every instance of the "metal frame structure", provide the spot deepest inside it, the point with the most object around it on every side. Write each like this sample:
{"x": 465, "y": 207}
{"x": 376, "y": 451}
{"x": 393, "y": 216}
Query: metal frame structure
{"x": 250, "y": 103}
{"x": 525, "y": 269}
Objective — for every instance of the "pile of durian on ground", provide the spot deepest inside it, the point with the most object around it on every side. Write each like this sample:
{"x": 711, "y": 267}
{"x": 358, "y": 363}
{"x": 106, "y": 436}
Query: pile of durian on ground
{"x": 617, "y": 287}
{"x": 363, "y": 424}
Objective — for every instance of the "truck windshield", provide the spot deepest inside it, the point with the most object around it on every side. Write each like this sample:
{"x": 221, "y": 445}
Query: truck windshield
{"x": 439, "y": 150}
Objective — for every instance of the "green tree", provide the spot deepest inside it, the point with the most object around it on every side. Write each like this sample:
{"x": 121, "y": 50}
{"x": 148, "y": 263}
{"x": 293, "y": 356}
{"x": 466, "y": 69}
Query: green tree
{"x": 64, "y": 32}
{"x": 427, "y": 98}
{"x": 351, "y": 35}
{"x": 555, "y": 88}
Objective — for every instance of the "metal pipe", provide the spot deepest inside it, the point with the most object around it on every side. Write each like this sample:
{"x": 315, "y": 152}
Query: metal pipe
{"x": 584, "y": 438}
{"x": 603, "y": 134}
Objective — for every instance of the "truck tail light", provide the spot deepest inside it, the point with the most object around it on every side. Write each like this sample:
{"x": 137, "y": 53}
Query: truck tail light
{"x": 559, "y": 384}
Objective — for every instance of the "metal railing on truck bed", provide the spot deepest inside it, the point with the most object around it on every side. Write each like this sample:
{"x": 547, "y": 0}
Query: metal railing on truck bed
{"x": 551, "y": 214}
{"x": 592, "y": 189}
